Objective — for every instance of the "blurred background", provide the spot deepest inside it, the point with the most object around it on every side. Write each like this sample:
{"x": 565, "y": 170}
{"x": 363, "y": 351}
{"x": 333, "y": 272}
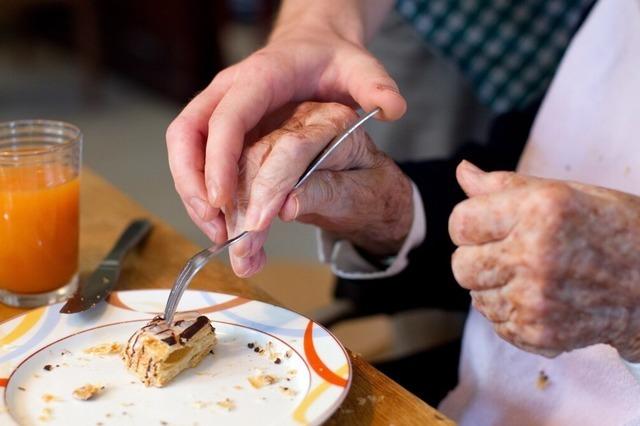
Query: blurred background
{"x": 121, "y": 70}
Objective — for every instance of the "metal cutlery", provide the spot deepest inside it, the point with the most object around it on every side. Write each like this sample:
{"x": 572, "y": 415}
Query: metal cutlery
{"x": 100, "y": 283}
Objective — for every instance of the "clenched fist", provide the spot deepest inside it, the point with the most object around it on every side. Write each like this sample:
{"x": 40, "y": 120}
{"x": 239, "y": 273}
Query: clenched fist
{"x": 554, "y": 265}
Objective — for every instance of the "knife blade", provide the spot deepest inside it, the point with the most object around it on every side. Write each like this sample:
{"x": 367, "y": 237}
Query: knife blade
{"x": 100, "y": 283}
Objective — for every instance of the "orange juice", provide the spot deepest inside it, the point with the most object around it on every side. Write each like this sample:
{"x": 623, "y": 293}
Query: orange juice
{"x": 38, "y": 227}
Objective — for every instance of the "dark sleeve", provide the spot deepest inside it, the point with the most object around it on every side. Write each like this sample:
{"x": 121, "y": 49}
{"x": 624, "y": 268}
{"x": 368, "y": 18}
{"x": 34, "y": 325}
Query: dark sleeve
{"x": 428, "y": 280}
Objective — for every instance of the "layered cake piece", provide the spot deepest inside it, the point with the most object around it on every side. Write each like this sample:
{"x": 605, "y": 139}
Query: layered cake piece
{"x": 159, "y": 351}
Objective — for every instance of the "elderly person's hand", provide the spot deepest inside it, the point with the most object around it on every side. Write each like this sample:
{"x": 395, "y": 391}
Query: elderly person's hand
{"x": 358, "y": 194}
{"x": 316, "y": 51}
{"x": 554, "y": 265}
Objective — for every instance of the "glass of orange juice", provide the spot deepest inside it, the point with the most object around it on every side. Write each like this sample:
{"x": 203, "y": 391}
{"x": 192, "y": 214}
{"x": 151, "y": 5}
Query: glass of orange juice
{"x": 39, "y": 203}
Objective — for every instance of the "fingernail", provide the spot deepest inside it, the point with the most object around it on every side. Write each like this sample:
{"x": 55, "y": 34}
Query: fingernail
{"x": 387, "y": 87}
{"x": 199, "y": 206}
{"x": 243, "y": 249}
{"x": 243, "y": 267}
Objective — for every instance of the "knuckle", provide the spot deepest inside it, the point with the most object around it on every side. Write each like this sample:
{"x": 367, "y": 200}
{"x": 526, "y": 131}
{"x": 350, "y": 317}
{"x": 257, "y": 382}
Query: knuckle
{"x": 341, "y": 111}
{"x": 460, "y": 267}
{"x": 554, "y": 198}
{"x": 327, "y": 184}
{"x": 504, "y": 179}
{"x": 458, "y": 223}
{"x": 175, "y": 129}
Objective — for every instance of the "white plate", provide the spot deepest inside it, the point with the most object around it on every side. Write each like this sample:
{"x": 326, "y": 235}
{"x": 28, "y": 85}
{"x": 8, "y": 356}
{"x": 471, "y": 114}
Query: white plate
{"x": 312, "y": 381}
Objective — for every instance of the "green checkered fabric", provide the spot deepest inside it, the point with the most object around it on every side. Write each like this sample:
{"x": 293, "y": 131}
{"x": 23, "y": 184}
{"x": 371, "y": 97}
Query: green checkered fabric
{"x": 508, "y": 50}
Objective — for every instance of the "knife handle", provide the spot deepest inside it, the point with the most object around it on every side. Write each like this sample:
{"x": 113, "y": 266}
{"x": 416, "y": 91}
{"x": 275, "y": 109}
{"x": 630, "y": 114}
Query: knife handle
{"x": 135, "y": 232}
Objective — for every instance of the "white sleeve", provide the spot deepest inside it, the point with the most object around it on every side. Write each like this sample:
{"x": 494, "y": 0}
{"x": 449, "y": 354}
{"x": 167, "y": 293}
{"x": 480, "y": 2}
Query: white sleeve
{"x": 633, "y": 367}
{"x": 347, "y": 263}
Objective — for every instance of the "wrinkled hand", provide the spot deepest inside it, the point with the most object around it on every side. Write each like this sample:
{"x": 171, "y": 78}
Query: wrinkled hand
{"x": 554, "y": 265}
{"x": 358, "y": 193}
{"x": 206, "y": 140}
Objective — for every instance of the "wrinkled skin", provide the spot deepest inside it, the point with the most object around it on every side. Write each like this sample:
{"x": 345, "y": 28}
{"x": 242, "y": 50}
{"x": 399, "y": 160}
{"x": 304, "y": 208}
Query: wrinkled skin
{"x": 358, "y": 194}
{"x": 554, "y": 265}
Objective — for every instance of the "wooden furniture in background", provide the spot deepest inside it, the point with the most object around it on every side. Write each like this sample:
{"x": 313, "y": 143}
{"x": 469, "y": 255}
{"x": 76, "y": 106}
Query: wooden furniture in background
{"x": 105, "y": 211}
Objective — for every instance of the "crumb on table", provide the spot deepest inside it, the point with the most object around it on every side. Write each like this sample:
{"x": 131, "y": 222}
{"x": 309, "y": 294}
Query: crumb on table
{"x": 87, "y": 392}
{"x": 373, "y": 399}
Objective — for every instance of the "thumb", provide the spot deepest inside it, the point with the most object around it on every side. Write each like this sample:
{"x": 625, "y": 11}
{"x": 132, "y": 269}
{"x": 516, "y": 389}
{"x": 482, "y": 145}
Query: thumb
{"x": 475, "y": 181}
{"x": 370, "y": 86}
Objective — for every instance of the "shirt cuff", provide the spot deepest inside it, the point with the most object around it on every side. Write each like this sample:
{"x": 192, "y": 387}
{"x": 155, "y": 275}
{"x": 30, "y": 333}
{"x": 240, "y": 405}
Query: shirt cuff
{"x": 346, "y": 262}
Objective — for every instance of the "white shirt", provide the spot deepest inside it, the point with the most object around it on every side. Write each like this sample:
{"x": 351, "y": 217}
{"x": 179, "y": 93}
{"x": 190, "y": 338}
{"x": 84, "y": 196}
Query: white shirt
{"x": 587, "y": 130}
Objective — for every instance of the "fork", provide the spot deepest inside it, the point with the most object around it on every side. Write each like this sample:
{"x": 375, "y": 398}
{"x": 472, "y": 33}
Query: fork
{"x": 200, "y": 259}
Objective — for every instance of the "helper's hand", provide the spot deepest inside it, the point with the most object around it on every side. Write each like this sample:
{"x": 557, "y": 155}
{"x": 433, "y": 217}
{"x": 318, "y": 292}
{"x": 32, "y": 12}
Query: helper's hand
{"x": 554, "y": 265}
{"x": 359, "y": 193}
{"x": 304, "y": 59}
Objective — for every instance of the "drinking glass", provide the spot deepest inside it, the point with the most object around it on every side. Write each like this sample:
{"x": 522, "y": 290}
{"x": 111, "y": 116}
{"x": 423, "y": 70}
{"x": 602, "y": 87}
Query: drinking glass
{"x": 39, "y": 211}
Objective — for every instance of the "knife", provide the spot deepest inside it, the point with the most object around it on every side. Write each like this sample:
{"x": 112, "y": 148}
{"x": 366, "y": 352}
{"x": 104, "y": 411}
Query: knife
{"x": 99, "y": 284}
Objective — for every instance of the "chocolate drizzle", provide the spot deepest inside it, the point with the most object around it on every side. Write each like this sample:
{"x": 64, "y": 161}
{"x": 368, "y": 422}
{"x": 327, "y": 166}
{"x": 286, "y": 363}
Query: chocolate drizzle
{"x": 175, "y": 335}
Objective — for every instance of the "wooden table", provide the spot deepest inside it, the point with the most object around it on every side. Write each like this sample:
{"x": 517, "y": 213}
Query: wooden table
{"x": 106, "y": 211}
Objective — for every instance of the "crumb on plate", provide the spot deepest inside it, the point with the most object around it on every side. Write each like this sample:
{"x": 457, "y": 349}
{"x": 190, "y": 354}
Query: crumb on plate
{"x": 104, "y": 349}
{"x": 227, "y": 404}
{"x": 87, "y": 392}
{"x": 201, "y": 404}
{"x": 288, "y": 391}
{"x": 47, "y": 397}
{"x": 262, "y": 380}
{"x": 46, "y": 414}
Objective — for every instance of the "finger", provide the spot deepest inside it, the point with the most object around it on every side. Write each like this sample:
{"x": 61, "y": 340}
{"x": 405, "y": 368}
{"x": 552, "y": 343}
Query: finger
{"x": 214, "y": 229}
{"x": 325, "y": 193}
{"x": 185, "y": 137}
{"x": 476, "y": 182}
{"x": 249, "y": 245}
{"x": 295, "y": 146}
{"x": 370, "y": 86}
{"x": 241, "y": 108}
{"x": 485, "y": 218}
{"x": 481, "y": 267}
{"x": 521, "y": 337}
{"x": 492, "y": 305}
{"x": 247, "y": 266}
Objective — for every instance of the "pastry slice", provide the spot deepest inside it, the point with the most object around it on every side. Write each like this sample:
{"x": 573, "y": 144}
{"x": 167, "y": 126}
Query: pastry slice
{"x": 158, "y": 351}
